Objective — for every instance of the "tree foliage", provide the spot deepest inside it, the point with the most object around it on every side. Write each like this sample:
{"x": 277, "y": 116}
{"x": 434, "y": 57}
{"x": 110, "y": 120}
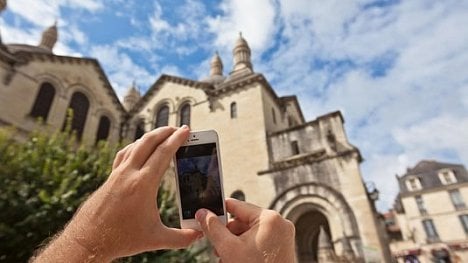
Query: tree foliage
{"x": 44, "y": 179}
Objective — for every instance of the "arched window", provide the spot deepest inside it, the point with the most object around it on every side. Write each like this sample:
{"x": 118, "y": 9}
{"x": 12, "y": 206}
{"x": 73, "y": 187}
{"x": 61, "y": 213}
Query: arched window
{"x": 140, "y": 129}
{"x": 79, "y": 104}
{"x": 103, "y": 129}
{"x": 162, "y": 117}
{"x": 185, "y": 114}
{"x": 239, "y": 195}
{"x": 43, "y": 102}
{"x": 233, "y": 110}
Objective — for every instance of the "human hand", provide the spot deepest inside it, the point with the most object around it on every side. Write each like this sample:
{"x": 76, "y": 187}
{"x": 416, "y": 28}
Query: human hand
{"x": 254, "y": 235}
{"x": 122, "y": 218}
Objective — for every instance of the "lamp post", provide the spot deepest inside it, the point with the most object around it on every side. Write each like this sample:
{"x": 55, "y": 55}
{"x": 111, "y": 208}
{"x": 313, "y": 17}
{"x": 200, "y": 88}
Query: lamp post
{"x": 372, "y": 191}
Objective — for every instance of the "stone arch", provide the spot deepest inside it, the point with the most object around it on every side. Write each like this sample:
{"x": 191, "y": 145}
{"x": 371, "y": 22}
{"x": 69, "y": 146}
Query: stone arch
{"x": 161, "y": 103}
{"x": 77, "y": 87}
{"x": 184, "y": 100}
{"x": 56, "y": 82}
{"x": 299, "y": 200}
{"x": 103, "y": 111}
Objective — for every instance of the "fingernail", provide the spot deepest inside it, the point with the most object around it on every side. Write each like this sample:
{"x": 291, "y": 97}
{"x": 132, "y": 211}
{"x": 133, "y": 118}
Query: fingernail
{"x": 200, "y": 214}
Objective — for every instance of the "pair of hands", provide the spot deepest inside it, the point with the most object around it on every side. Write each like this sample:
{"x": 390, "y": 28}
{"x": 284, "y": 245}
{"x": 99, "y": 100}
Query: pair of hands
{"x": 122, "y": 218}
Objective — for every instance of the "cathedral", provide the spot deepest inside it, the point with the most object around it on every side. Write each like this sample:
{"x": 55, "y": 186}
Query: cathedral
{"x": 307, "y": 170}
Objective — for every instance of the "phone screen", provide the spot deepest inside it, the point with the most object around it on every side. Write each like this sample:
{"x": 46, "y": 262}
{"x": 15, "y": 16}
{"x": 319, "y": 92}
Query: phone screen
{"x": 199, "y": 179}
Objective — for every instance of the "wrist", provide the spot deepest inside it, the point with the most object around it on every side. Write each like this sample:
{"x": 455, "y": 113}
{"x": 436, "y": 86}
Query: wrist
{"x": 88, "y": 242}
{"x": 71, "y": 246}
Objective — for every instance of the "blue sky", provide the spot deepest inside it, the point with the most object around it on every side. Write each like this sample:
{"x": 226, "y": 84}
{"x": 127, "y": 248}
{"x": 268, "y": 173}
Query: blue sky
{"x": 396, "y": 69}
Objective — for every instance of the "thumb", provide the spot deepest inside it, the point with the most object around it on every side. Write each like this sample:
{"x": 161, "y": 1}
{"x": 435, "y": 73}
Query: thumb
{"x": 214, "y": 229}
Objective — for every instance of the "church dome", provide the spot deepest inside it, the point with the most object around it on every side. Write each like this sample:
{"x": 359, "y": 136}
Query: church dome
{"x": 132, "y": 97}
{"x": 216, "y": 70}
{"x": 241, "y": 55}
{"x": 241, "y": 42}
{"x": 216, "y": 65}
{"x": 49, "y": 37}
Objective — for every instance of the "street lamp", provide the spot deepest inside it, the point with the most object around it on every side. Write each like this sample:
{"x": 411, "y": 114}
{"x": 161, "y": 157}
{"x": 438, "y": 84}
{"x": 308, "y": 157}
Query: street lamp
{"x": 372, "y": 191}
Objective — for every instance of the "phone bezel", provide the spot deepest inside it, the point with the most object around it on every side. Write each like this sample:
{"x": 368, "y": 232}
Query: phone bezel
{"x": 196, "y": 138}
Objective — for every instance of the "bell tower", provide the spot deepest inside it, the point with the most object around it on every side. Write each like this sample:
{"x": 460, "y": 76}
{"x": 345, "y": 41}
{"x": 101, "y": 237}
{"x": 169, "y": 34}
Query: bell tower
{"x": 49, "y": 37}
{"x": 241, "y": 54}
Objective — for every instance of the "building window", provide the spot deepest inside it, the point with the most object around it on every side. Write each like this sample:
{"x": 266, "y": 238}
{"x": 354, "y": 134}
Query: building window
{"x": 420, "y": 204}
{"x": 464, "y": 222}
{"x": 103, "y": 129}
{"x": 239, "y": 195}
{"x": 430, "y": 230}
{"x": 162, "y": 117}
{"x": 413, "y": 184}
{"x": 457, "y": 199}
{"x": 43, "y": 101}
{"x": 273, "y": 114}
{"x": 447, "y": 177}
{"x": 185, "y": 115}
{"x": 233, "y": 110}
{"x": 79, "y": 105}
{"x": 140, "y": 129}
{"x": 294, "y": 147}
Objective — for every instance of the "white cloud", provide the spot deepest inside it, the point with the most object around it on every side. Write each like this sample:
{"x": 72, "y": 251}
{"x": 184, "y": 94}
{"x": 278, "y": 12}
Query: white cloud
{"x": 255, "y": 19}
{"x": 11, "y": 34}
{"x": 189, "y": 23}
{"x": 44, "y": 12}
{"x": 435, "y": 136}
{"x": 158, "y": 24}
{"x": 326, "y": 57}
{"x": 121, "y": 69}
{"x": 90, "y": 5}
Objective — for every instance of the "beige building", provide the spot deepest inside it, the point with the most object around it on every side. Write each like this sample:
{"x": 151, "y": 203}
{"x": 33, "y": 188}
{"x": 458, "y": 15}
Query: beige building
{"x": 306, "y": 170}
{"x": 430, "y": 219}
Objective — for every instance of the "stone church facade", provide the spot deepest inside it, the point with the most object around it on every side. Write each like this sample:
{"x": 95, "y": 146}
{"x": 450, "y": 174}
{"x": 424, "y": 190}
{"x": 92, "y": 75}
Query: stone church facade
{"x": 308, "y": 171}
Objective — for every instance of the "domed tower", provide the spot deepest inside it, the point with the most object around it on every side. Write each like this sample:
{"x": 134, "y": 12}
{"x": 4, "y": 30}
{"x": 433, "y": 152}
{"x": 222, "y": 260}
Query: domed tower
{"x": 3, "y": 4}
{"x": 241, "y": 54}
{"x": 216, "y": 71}
{"x": 131, "y": 98}
{"x": 49, "y": 37}
{"x": 216, "y": 66}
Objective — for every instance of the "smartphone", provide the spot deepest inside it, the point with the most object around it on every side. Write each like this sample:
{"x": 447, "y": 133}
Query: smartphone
{"x": 199, "y": 178}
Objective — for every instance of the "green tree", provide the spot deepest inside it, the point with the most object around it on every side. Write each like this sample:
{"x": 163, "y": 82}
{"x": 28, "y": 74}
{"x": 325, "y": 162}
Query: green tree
{"x": 44, "y": 179}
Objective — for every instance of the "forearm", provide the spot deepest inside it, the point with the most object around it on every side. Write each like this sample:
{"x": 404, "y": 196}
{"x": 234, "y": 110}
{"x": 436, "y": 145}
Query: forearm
{"x": 66, "y": 248}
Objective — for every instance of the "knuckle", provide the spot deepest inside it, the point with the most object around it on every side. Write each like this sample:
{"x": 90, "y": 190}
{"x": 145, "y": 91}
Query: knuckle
{"x": 121, "y": 153}
{"x": 164, "y": 149}
{"x": 274, "y": 217}
{"x": 280, "y": 223}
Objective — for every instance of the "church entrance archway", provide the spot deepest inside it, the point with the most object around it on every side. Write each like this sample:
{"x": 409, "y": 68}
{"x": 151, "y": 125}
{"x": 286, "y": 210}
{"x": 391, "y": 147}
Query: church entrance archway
{"x": 305, "y": 202}
{"x": 307, "y": 234}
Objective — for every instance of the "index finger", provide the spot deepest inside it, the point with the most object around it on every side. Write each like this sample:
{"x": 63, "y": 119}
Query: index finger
{"x": 243, "y": 211}
{"x": 158, "y": 162}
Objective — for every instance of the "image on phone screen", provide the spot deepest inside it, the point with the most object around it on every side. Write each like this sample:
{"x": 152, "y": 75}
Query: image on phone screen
{"x": 199, "y": 179}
